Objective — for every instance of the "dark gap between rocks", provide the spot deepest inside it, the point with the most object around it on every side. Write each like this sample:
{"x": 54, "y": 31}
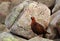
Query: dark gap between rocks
{"x": 17, "y": 18}
{"x": 19, "y": 36}
{"x": 52, "y": 7}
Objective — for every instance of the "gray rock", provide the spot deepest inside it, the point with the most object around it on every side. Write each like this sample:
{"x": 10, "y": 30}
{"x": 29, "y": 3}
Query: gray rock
{"x": 16, "y": 2}
{"x": 19, "y": 38}
{"x": 4, "y": 11}
{"x": 7, "y": 37}
{"x": 53, "y": 26}
{"x": 10, "y": 19}
{"x": 55, "y": 18}
{"x": 56, "y": 7}
{"x": 49, "y": 3}
{"x": 52, "y": 32}
{"x": 22, "y": 25}
{"x": 39, "y": 39}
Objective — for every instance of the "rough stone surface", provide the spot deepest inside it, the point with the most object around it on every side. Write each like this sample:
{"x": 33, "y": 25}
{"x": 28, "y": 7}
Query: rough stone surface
{"x": 16, "y": 2}
{"x": 7, "y": 37}
{"x": 49, "y": 3}
{"x": 39, "y": 39}
{"x": 15, "y": 13}
{"x": 4, "y": 10}
{"x": 22, "y": 25}
{"x": 57, "y": 6}
{"x": 19, "y": 38}
{"x": 53, "y": 26}
{"x": 55, "y": 18}
{"x": 52, "y": 32}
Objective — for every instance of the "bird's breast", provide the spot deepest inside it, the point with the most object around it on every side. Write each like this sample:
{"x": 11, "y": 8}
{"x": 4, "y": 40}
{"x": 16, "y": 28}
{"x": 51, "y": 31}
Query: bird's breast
{"x": 36, "y": 29}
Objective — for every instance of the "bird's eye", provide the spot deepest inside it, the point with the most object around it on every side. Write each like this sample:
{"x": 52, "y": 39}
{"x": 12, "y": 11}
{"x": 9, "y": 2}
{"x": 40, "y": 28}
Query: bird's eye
{"x": 32, "y": 18}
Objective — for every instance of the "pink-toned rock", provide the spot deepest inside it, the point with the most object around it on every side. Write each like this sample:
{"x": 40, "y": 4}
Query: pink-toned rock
{"x": 21, "y": 25}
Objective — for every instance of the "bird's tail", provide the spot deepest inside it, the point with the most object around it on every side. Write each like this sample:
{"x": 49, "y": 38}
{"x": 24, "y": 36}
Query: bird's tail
{"x": 47, "y": 32}
{"x": 44, "y": 35}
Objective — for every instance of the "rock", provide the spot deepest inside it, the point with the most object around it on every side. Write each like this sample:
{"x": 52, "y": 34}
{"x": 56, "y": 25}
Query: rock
{"x": 4, "y": 7}
{"x": 55, "y": 14}
{"x": 49, "y": 3}
{"x": 53, "y": 26}
{"x": 21, "y": 26}
{"x": 52, "y": 32}
{"x": 57, "y": 40}
{"x": 7, "y": 37}
{"x": 12, "y": 17}
{"x": 55, "y": 18}
{"x": 4, "y": 1}
{"x": 2, "y": 27}
{"x": 16, "y": 2}
{"x": 19, "y": 38}
{"x": 4, "y": 11}
{"x": 56, "y": 7}
{"x": 39, "y": 39}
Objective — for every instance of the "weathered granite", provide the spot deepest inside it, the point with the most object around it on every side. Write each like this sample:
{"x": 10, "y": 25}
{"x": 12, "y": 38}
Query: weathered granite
{"x": 22, "y": 24}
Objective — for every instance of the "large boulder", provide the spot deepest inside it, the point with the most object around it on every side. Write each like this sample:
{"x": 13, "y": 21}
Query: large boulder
{"x": 20, "y": 19}
{"x": 49, "y": 3}
{"x": 13, "y": 15}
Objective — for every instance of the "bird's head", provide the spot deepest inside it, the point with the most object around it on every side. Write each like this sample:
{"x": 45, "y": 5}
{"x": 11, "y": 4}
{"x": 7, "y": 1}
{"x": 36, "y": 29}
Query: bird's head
{"x": 33, "y": 19}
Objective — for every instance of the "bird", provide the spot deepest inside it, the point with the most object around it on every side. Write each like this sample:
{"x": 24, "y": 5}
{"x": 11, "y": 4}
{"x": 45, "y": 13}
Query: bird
{"x": 38, "y": 28}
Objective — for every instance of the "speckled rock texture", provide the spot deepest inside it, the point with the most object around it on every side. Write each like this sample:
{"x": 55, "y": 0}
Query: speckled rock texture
{"x": 15, "y": 13}
{"x": 48, "y": 3}
{"x": 21, "y": 25}
{"x": 15, "y": 19}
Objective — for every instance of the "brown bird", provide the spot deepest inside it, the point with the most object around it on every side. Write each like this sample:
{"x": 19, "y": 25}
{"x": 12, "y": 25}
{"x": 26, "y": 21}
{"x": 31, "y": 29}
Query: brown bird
{"x": 38, "y": 28}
